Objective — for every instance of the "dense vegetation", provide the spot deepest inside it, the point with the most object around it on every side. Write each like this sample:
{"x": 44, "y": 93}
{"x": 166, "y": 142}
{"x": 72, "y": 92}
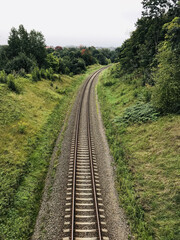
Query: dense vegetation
{"x": 27, "y": 51}
{"x": 140, "y": 103}
{"x": 145, "y": 148}
{"x": 153, "y": 52}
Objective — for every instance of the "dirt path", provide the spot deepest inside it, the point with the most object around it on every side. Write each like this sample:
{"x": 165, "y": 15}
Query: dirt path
{"x": 50, "y": 221}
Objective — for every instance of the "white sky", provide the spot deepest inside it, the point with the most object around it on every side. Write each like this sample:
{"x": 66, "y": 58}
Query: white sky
{"x": 105, "y": 23}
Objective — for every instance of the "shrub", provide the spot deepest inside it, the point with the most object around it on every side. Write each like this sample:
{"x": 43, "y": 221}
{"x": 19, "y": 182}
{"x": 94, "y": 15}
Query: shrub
{"x": 52, "y": 61}
{"x": 108, "y": 83}
{"x": 36, "y": 74}
{"x": 12, "y": 85}
{"x": 138, "y": 113}
{"x": 19, "y": 62}
{"x": 22, "y": 127}
{"x": 57, "y": 77}
{"x": 67, "y": 71}
{"x": 50, "y": 74}
{"x": 62, "y": 91}
{"x": 22, "y": 72}
{"x": 43, "y": 73}
{"x": 3, "y": 77}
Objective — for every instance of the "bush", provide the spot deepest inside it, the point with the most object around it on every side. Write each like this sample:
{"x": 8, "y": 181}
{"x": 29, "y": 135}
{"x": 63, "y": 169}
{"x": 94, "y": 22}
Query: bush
{"x": 138, "y": 113}
{"x": 36, "y": 74}
{"x": 67, "y": 71}
{"x": 50, "y": 74}
{"x": 57, "y": 77}
{"x": 166, "y": 95}
{"x": 19, "y": 62}
{"x": 43, "y": 73}
{"x": 11, "y": 84}
{"x": 108, "y": 83}
{"x": 52, "y": 61}
{"x": 3, "y": 77}
{"x": 22, "y": 72}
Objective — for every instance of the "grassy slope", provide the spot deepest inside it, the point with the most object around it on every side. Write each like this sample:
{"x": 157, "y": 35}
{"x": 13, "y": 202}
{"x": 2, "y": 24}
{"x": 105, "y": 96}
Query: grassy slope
{"x": 146, "y": 156}
{"x": 29, "y": 125}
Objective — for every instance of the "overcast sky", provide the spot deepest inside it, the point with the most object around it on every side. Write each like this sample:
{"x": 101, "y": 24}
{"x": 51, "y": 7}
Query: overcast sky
{"x": 105, "y": 23}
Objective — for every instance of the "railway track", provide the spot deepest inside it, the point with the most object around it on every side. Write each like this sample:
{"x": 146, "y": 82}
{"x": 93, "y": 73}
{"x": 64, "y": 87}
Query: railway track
{"x": 84, "y": 211}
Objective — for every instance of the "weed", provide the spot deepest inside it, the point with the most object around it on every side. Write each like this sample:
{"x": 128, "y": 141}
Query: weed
{"x": 138, "y": 113}
{"x": 12, "y": 85}
{"x": 61, "y": 91}
{"x": 36, "y": 74}
{"x": 22, "y": 127}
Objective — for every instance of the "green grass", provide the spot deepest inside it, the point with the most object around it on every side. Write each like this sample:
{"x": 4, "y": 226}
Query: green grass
{"x": 146, "y": 155}
{"x": 29, "y": 125}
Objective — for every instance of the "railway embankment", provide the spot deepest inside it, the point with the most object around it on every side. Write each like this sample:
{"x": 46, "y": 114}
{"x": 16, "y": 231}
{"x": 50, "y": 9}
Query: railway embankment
{"x": 145, "y": 148}
{"x": 30, "y": 122}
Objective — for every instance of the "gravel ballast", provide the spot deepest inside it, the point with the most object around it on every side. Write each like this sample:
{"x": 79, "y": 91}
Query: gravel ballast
{"x": 50, "y": 220}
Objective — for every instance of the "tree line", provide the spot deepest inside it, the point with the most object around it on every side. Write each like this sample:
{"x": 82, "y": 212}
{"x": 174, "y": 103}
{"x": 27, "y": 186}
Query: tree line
{"x": 153, "y": 52}
{"x": 26, "y": 51}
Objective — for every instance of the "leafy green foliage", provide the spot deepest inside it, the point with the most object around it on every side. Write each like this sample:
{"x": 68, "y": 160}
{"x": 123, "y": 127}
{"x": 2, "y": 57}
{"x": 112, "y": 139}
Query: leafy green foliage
{"x": 154, "y": 8}
{"x": 12, "y": 85}
{"x": 20, "y": 62}
{"x": 75, "y": 60}
{"x": 24, "y": 50}
{"x": 31, "y": 44}
{"x": 167, "y": 90}
{"x": 108, "y": 83}
{"x": 153, "y": 50}
{"x": 3, "y": 77}
{"x": 52, "y": 61}
{"x": 36, "y": 74}
{"x": 28, "y": 50}
{"x": 138, "y": 113}
{"x": 3, "y": 57}
{"x": 139, "y": 51}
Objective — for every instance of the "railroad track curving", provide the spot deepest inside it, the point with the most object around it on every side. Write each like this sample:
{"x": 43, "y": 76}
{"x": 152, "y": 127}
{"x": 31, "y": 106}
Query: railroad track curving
{"x": 84, "y": 211}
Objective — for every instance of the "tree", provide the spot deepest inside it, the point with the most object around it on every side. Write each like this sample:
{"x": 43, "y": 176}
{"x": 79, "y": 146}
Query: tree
{"x": 13, "y": 43}
{"x": 87, "y": 56}
{"x": 139, "y": 51}
{"x": 167, "y": 76}
{"x": 102, "y": 59}
{"x": 37, "y": 47}
{"x": 52, "y": 62}
{"x": 156, "y": 8}
{"x": 31, "y": 44}
{"x": 58, "y": 48}
{"x": 3, "y": 57}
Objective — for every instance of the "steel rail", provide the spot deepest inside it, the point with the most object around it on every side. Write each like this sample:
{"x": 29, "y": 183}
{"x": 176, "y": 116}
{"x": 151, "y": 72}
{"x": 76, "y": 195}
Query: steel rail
{"x": 75, "y": 154}
{"x": 91, "y": 165}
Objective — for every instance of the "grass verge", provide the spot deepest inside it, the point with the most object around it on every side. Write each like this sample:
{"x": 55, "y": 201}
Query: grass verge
{"x": 146, "y": 154}
{"x": 29, "y": 125}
